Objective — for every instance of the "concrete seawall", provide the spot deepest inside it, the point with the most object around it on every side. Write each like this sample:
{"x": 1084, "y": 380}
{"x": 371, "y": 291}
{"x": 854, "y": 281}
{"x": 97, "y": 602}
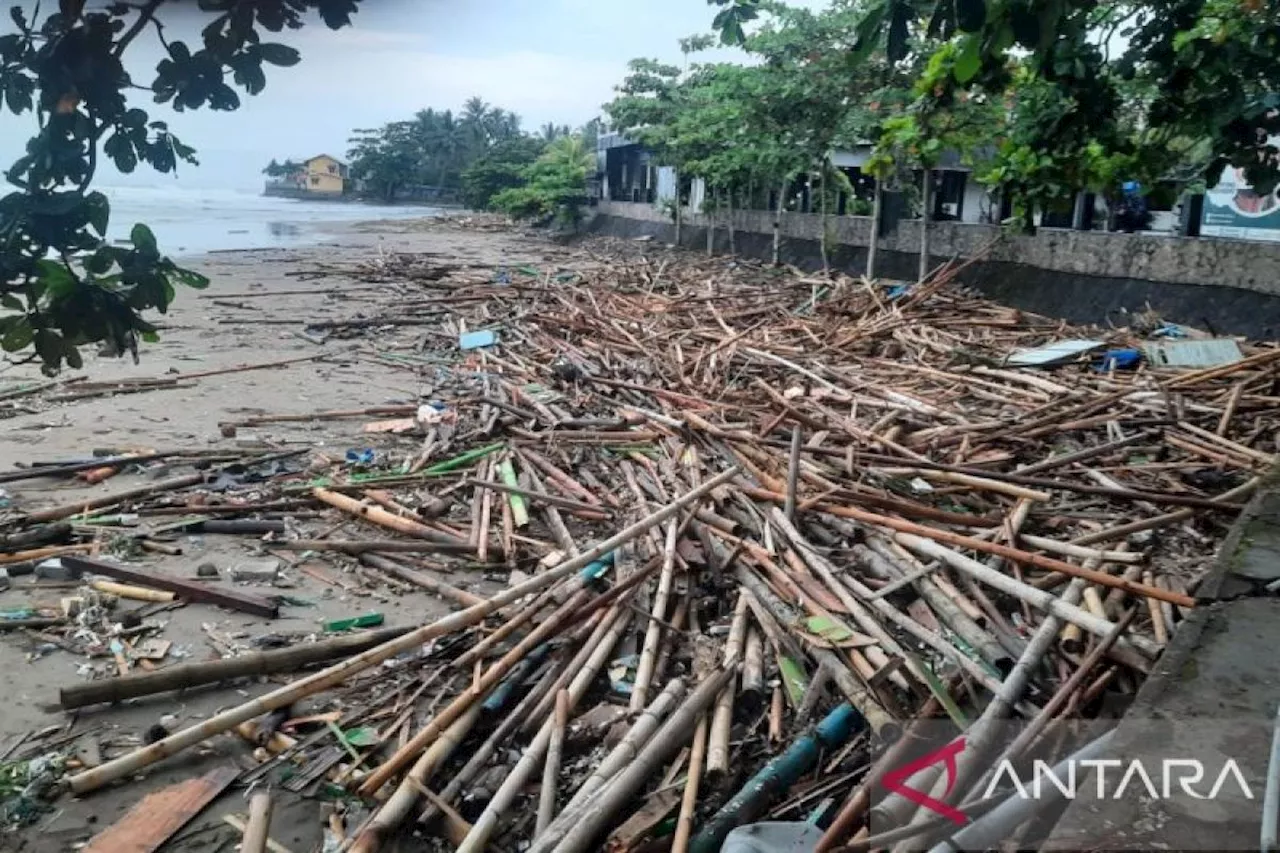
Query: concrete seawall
{"x": 1225, "y": 285}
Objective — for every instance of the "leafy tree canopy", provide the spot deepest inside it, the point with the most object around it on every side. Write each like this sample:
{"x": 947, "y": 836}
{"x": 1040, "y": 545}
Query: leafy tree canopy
{"x": 62, "y": 284}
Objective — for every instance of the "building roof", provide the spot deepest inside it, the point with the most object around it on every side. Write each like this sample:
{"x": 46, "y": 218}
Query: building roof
{"x": 318, "y": 156}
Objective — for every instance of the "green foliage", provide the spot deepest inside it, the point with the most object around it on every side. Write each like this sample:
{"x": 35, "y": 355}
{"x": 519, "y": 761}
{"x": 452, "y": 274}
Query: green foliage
{"x": 500, "y": 168}
{"x": 433, "y": 148}
{"x": 62, "y": 284}
{"x": 555, "y": 187}
{"x": 276, "y": 169}
{"x": 760, "y": 123}
{"x": 1192, "y": 86}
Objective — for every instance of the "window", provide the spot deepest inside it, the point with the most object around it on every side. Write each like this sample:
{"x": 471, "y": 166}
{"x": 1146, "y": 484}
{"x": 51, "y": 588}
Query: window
{"x": 315, "y": 180}
{"x": 333, "y": 170}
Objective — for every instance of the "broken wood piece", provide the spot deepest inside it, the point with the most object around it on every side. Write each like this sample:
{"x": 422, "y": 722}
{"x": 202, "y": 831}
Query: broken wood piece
{"x": 157, "y": 816}
{"x": 188, "y": 590}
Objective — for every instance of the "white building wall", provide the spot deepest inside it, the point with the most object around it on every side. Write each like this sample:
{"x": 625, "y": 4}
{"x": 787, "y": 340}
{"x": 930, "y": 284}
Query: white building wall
{"x": 697, "y": 194}
{"x": 978, "y": 205}
{"x": 666, "y": 189}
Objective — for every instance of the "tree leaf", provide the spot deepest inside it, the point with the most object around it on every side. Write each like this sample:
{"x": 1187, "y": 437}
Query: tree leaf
{"x": 142, "y": 238}
{"x": 12, "y": 302}
{"x": 279, "y": 54}
{"x": 57, "y": 279}
{"x": 19, "y": 336}
{"x": 969, "y": 62}
{"x": 99, "y": 210}
{"x": 190, "y": 278}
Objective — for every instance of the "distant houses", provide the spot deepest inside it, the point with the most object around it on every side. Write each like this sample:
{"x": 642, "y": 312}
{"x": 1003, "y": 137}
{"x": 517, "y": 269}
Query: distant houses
{"x": 321, "y": 176}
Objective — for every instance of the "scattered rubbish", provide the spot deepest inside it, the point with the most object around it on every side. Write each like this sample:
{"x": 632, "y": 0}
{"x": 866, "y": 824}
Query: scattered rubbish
{"x": 369, "y": 620}
{"x": 364, "y": 457}
{"x": 476, "y": 340}
{"x": 773, "y": 838}
{"x": 1120, "y": 359}
{"x": 1055, "y": 354}
{"x": 1202, "y": 353}
{"x": 256, "y": 571}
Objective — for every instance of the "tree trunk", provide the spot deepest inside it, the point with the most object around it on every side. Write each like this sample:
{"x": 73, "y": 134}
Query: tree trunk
{"x": 822, "y": 200}
{"x": 679, "y": 217}
{"x": 728, "y": 223}
{"x": 926, "y": 200}
{"x": 777, "y": 219}
{"x": 711, "y": 224}
{"x": 873, "y": 244}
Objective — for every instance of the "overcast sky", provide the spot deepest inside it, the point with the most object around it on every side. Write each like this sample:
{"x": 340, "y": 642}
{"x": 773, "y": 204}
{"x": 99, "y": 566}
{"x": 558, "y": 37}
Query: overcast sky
{"x": 547, "y": 60}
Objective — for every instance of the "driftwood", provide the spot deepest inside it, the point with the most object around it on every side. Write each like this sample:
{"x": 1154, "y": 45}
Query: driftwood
{"x": 183, "y": 676}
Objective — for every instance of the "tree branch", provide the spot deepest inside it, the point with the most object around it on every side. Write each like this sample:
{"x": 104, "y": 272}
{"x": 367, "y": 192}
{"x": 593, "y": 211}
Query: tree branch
{"x": 145, "y": 14}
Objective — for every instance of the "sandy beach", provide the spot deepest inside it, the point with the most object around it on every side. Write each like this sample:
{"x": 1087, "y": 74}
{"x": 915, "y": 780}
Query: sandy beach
{"x": 199, "y": 334}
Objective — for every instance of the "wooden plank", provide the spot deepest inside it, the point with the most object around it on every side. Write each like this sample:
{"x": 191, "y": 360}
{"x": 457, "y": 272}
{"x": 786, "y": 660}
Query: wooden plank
{"x": 189, "y": 590}
{"x": 157, "y": 816}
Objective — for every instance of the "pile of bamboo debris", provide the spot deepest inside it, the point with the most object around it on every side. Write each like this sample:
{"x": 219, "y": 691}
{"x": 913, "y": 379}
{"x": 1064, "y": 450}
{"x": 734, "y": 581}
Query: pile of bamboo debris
{"x": 729, "y": 502}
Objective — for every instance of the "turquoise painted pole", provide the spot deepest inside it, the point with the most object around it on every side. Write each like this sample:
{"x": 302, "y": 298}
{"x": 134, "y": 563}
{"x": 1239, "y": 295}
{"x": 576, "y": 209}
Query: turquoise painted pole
{"x": 777, "y": 776}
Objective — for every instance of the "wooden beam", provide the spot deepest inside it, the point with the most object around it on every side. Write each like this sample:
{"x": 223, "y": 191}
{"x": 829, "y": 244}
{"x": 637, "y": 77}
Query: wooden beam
{"x": 189, "y": 590}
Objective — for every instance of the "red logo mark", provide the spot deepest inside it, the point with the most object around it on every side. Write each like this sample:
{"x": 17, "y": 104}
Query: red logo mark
{"x": 895, "y": 781}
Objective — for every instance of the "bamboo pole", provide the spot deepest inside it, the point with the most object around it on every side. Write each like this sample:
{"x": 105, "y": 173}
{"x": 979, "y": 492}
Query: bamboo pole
{"x": 981, "y": 736}
{"x": 653, "y": 633}
{"x": 421, "y": 579}
{"x": 548, "y": 686}
{"x": 722, "y": 716}
{"x": 753, "y": 664}
{"x": 1037, "y": 598}
{"x": 126, "y": 765}
{"x": 398, "y": 806}
{"x": 134, "y": 593}
{"x": 574, "y": 832}
{"x": 208, "y": 672}
{"x": 486, "y": 682}
{"x": 630, "y": 745}
{"x": 793, "y": 473}
{"x": 919, "y": 531}
{"x": 383, "y": 518}
{"x": 258, "y": 825}
{"x": 484, "y": 826}
{"x": 693, "y": 781}
{"x": 551, "y": 767}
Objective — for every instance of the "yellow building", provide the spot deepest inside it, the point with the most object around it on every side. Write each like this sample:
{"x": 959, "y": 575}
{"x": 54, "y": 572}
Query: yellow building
{"x": 320, "y": 176}
{"x": 323, "y": 174}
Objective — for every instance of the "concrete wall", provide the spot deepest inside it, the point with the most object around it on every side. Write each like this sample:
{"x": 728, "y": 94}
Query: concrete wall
{"x": 1229, "y": 286}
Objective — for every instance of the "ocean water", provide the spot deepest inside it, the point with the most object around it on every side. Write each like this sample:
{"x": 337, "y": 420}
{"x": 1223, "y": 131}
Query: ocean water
{"x": 191, "y": 221}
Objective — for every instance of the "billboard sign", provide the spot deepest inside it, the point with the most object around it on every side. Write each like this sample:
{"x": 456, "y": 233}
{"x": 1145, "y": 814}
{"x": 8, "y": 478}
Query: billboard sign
{"x": 1234, "y": 209}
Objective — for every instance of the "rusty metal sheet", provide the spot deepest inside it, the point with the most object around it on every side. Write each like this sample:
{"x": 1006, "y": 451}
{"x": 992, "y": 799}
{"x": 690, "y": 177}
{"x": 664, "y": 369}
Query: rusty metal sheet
{"x": 157, "y": 816}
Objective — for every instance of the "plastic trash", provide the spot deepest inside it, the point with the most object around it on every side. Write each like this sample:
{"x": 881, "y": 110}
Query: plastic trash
{"x": 361, "y": 457}
{"x": 1120, "y": 359}
{"x": 773, "y": 837}
{"x": 476, "y": 340}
